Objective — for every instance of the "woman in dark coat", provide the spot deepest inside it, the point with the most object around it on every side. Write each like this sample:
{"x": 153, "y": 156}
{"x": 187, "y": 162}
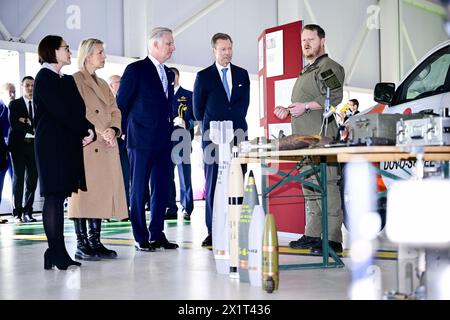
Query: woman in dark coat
{"x": 61, "y": 132}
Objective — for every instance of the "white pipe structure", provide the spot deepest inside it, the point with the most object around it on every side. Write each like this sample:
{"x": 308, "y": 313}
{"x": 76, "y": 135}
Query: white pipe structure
{"x": 193, "y": 19}
{"x": 356, "y": 51}
{"x": 37, "y": 18}
{"x": 4, "y": 32}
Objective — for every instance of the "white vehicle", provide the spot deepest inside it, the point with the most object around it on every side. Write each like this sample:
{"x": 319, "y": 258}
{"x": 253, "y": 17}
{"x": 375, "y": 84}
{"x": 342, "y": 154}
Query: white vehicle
{"x": 425, "y": 89}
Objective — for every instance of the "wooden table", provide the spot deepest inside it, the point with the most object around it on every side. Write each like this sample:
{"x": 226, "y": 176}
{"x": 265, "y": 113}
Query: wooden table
{"x": 347, "y": 154}
{"x": 333, "y": 155}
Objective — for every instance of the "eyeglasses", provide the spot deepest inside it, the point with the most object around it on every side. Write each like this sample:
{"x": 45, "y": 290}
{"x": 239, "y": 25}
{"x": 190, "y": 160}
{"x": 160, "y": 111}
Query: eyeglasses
{"x": 66, "y": 48}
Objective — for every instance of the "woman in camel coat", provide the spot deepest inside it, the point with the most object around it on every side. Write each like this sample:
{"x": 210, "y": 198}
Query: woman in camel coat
{"x": 105, "y": 197}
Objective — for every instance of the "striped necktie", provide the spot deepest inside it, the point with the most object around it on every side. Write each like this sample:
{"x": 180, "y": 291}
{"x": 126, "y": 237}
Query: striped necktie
{"x": 225, "y": 82}
{"x": 163, "y": 77}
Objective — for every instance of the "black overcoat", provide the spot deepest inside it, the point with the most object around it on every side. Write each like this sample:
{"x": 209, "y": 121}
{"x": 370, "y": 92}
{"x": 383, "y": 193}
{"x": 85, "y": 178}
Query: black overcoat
{"x": 61, "y": 125}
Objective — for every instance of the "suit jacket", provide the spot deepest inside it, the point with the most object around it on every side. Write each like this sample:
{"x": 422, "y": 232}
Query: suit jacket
{"x": 146, "y": 111}
{"x": 18, "y": 130}
{"x": 106, "y": 192}
{"x": 4, "y": 120}
{"x": 211, "y": 102}
{"x": 184, "y": 97}
{"x": 61, "y": 125}
{"x": 3, "y": 151}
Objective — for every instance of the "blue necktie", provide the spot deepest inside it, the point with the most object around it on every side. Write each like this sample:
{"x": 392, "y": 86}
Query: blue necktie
{"x": 225, "y": 82}
{"x": 164, "y": 81}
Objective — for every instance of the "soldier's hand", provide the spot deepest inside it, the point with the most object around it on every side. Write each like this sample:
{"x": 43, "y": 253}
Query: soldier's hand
{"x": 297, "y": 109}
{"x": 281, "y": 112}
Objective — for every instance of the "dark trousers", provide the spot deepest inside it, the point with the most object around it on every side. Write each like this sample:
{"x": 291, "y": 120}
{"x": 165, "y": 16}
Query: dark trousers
{"x": 210, "y": 187}
{"x": 154, "y": 166}
{"x": 3, "y": 174}
{"x": 186, "y": 193}
{"x": 125, "y": 164}
{"x": 24, "y": 168}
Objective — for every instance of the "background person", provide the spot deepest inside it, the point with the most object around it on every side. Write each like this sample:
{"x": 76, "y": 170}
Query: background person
{"x": 7, "y": 94}
{"x": 114, "y": 85}
{"x": 21, "y": 146}
{"x": 352, "y": 109}
{"x": 184, "y": 125}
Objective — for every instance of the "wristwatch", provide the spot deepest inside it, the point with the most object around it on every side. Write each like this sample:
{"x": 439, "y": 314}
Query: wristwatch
{"x": 307, "y": 109}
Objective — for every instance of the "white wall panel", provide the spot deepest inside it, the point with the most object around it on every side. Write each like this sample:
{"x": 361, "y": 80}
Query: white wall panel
{"x": 102, "y": 19}
{"x": 243, "y": 20}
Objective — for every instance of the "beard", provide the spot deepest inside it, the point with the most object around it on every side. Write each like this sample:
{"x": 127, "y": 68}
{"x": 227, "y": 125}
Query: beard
{"x": 313, "y": 53}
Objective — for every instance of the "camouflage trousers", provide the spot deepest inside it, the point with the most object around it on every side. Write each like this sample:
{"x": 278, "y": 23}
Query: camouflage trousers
{"x": 313, "y": 206}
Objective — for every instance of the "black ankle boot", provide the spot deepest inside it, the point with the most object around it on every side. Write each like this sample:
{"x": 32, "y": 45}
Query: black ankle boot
{"x": 95, "y": 226}
{"x": 58, "y": 256}
{"x": 84, "y": 250}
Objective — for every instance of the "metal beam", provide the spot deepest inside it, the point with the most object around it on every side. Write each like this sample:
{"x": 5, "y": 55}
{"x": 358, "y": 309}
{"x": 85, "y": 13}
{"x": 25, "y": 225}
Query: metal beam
{"x": 37, "y": 19}
{"x": 356, "y": 50}
{"x": 194, "y": 18}
{"x": 4, "y": 32}
{"x": 427, "y": 6}
{"x": 409, "y": 45}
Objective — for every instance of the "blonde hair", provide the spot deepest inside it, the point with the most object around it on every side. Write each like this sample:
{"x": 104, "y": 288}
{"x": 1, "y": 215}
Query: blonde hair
{"x": 86, "y": 49}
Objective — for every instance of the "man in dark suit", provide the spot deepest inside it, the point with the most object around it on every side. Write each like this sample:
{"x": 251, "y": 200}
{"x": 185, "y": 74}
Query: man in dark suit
{"x": 181, "y": 154}
{"x": 145, "y": 99}
{"x": 221, "y": 92}
{"x": 7, "y": 94}
{"x": 114, "y": 84}
{"x": 21, "y": 146}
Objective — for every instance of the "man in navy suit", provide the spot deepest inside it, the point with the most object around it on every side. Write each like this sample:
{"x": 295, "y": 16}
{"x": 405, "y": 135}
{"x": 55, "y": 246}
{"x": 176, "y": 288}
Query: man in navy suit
{"x": 7, "y": 94}
{"x": 181, "y": 154}
{"x": 221, "y": 92}
{"x": 21, "y": 146}
{"x": 145, "y": 99}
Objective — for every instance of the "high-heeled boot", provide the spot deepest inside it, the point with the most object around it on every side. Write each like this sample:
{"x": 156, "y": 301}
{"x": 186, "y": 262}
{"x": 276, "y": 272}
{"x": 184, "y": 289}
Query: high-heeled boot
{"x": 94, "y": 240}
{"x": 50, "y": 261}
{"x": 84, "y": 250}
{"x": 59, "y": 257}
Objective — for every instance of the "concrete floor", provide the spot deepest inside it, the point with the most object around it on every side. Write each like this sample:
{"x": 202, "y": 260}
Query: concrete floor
{"x": 184, "y": 274}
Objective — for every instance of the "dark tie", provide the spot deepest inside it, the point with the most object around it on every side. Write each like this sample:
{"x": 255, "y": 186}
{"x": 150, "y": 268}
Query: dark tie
{"x": 225, "y": 82}
{"x": 30, "y": 112}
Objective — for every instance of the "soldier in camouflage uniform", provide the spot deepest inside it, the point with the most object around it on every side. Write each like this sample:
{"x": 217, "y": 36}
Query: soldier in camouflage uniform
{"x": 308, "y": 101}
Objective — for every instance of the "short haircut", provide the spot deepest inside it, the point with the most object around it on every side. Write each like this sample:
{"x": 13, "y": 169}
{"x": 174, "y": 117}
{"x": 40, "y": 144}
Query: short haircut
{"x": 315, "y": 27}
{"x": 157, "y": 33}
{"x": 47, "y": 48}
{"x": 5, "y": 86}
{"x": 220, "y": 36}
{"x": 27, "y": 78}
{"x": 355, "y": 102}
{"x": 110, "y": 79}
{"x": 175, "y": 70}
{"x": 85, "y": 49}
